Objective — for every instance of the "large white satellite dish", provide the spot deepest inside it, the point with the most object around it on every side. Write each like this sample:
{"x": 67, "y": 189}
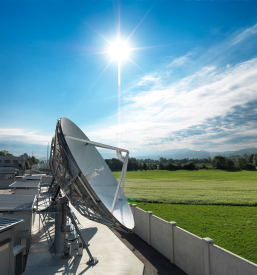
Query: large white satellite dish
{"x": 86, "y": 179}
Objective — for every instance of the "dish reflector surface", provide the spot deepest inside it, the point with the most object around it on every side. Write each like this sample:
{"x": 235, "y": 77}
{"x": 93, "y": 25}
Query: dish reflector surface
{"x": 103, "y": 184}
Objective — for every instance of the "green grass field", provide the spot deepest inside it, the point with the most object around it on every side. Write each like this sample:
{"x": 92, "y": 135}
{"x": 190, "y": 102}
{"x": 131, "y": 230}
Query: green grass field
{"x": 192, "y": 187}
{"x": 208, "y": 203}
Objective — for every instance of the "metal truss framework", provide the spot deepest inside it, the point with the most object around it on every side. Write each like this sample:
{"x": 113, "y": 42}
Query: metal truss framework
{"x": 75, "y": 185}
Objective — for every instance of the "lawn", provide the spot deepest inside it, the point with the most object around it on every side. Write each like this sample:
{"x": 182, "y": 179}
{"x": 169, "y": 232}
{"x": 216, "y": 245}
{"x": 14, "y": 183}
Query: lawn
{"x": 208, "y": 203}
{"x": 231, "y": 227}
{"x": 215, "y": 187}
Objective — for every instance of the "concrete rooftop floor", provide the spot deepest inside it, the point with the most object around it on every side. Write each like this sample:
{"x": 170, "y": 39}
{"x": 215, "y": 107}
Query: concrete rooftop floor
{"x": 114, "y": 256}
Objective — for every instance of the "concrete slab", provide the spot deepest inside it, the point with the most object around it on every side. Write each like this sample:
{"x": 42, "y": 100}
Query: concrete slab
{"x": 154, "y": 262}
{"x": 114, "y": 257}
{"x": 84, "y": 269}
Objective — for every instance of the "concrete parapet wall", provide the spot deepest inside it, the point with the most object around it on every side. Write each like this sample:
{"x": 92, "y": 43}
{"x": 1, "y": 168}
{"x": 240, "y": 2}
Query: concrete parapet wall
{"x": 160, "y": 229}
{"x": 188, "y": 252}
{"x": 141, "y": 224}
{"x": 223, "y": 262}
{"x": 194, "y": 255}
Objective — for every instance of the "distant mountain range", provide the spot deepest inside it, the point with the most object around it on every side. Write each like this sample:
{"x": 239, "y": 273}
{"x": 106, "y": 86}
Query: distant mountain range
{"x": 187, "y": 153}
{"x": 177, "y": 154}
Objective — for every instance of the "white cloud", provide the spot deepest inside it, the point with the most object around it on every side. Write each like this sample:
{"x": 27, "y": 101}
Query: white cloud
{"x": 155, "y": 118}
{"x": 245, "y": 34}
{"x": 149, "y": 79}
{"x": 21, "y": 135}
{"x": 198, "y": 110}
{"x": 178, "y": 61}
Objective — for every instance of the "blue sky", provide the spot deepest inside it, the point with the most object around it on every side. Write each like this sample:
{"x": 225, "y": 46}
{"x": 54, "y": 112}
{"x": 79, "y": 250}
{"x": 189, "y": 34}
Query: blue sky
{"x": 193, "y": 84}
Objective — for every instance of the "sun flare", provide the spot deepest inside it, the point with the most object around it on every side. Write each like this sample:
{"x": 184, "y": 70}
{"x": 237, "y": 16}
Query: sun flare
{"x": 119, "y": 50}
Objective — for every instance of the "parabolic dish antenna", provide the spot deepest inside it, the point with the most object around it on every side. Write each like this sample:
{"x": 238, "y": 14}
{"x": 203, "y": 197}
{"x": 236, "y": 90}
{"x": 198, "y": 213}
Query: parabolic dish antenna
{"x": 86, "y": 179}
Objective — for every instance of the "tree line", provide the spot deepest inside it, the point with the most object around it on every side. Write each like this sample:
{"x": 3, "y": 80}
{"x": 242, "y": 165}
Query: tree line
{"x": 135, "y": 165}
{"x": 248, "y": 162}
{"x": 236, "y": 162}
{"x": 174, "y": 161}
{"x": 5, "y": 153}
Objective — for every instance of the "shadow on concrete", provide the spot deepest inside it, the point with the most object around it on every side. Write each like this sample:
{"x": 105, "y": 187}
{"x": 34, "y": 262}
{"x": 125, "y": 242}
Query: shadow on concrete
{"x": 155, "y": 263}
{"x": 43, "y": 262}
{"x": 85, "y": 270}
{"x": 88, "y": 233}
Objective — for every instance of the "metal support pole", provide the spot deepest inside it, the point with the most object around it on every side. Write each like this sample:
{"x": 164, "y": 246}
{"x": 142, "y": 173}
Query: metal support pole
{"x": 60, "y": 226}
{"x": 118, "y": 187}
{"x": 38, "y": 215}
{"x": 59, "y": 240}
{"x": 124, "y": 176}
{"x": 80, "y": 248}
{"x": 97, "y": 144}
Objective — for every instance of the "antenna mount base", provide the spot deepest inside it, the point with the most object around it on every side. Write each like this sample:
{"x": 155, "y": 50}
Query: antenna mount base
{"x": 92, "y": 261}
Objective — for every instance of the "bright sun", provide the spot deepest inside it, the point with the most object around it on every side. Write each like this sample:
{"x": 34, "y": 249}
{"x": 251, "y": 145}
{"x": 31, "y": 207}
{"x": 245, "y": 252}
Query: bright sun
{"x": 119, "y": 50}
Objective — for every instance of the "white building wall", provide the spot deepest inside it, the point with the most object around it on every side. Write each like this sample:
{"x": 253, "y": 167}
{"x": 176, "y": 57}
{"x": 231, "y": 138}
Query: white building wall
{"x": 4, "y": 184}
{"x": 24, "y": 215}
{"x": 6, "y": 253}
